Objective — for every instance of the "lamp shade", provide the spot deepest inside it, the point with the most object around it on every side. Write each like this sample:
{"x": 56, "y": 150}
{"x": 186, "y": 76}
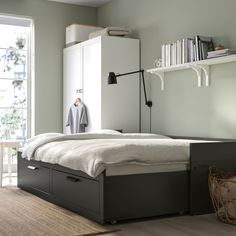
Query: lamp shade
{"x": 112, "y": 78}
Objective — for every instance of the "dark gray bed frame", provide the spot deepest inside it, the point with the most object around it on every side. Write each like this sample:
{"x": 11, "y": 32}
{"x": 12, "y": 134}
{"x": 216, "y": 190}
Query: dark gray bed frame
{"x": 114, "y": 198}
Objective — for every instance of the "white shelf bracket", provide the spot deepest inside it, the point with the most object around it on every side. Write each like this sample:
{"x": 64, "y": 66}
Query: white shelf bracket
{"x": 206, "y": 71}
{"x": 198, "y": 71}
{"x": 161, "y": 76}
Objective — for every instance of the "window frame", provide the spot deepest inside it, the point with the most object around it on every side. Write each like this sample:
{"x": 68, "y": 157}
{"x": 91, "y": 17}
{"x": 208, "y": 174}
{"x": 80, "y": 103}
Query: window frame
{"x": 17, "y": 20}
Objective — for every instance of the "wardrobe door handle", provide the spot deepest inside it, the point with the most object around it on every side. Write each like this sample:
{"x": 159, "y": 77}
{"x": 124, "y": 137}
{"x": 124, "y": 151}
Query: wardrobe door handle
{"x": 73, "y": 179}
{"x": 79, "y": 91}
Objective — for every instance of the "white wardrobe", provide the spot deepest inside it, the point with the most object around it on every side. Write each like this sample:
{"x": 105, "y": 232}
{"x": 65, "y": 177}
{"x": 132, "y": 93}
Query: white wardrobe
{"x": 85, "y": 71}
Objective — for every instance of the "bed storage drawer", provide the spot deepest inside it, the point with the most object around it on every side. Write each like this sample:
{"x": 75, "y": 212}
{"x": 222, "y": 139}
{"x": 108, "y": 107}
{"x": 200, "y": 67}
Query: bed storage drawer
{"x": 31, "y": 174}
{"x": 77, "y": 190}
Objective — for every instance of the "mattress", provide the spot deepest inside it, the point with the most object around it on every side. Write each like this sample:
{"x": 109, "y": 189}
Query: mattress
{"x": 123, "y": 154}
{"x": 132, "y": 169}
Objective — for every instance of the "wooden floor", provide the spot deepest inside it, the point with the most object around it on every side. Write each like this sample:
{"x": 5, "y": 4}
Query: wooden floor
{"x": 204, "y": 225}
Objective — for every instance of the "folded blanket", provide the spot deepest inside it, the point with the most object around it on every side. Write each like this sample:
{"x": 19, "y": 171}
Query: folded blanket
{"x": 110, "y": 31}
{"x": 41, "y": 139}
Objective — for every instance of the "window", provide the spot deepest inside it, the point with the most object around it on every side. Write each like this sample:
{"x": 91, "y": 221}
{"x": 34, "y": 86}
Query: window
{"x": 16, "y": 78}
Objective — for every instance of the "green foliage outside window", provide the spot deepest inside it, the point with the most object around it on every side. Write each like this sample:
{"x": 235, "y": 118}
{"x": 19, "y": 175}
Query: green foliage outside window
{"x": 13, "y": 119}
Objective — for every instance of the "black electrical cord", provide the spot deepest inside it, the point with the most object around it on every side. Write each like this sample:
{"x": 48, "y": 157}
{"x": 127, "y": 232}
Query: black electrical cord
{"x": 150, "y": 120}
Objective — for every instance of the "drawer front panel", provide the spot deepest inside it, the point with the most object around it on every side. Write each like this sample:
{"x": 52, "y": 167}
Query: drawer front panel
{"x": 33, "y": 175}
{"x": 77, "y": 190}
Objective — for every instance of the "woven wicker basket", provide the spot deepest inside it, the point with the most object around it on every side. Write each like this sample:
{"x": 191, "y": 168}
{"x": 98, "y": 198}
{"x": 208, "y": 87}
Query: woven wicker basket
{"x": 222, "y": 188}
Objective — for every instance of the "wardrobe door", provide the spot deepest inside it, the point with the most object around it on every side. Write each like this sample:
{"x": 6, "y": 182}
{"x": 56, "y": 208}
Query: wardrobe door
{"x": 92, "y": 83}
{"x": 120, "y": 102}
{"x": 72, "y": 79}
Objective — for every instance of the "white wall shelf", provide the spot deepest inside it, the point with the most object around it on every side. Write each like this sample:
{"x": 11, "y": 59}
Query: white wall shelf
{"x": 197, "y": 66}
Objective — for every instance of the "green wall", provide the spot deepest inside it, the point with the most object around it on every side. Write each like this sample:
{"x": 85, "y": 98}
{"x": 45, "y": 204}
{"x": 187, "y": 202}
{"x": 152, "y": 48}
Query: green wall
{"x": 183, "y": 108}
{"x": 50, "y": 20}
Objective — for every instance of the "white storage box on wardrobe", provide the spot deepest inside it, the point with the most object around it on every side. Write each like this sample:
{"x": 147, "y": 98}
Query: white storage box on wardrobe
{"x": 85, "y": 73}
{"x": 77, "y": 33}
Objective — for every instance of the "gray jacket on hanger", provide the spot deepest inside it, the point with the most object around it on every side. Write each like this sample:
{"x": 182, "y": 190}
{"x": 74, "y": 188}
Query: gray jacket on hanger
{"x": 77, "y": 118}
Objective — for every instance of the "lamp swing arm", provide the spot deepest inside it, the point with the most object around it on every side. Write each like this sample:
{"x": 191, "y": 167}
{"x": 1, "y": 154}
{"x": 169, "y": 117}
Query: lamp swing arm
{"x": 130, "y": 73}
{"x": 112, "y": 80}
{"x": 148, "y": 103}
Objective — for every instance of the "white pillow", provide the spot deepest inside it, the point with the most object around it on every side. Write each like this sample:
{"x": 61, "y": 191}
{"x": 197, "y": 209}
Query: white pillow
{"x": 107, "y": 131}
{"x": 145, "y": 135}
{"x": 43, "y": 135}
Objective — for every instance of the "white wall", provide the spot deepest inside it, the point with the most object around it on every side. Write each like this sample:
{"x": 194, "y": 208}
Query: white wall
{"x": 182, "y": 109}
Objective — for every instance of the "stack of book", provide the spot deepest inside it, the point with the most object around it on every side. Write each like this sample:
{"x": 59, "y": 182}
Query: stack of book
{"x": 221, "y": 53}
{"x": 186, "y": 50}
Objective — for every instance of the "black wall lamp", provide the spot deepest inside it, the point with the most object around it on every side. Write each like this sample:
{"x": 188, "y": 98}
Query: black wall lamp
{"x": 112, "y": 80}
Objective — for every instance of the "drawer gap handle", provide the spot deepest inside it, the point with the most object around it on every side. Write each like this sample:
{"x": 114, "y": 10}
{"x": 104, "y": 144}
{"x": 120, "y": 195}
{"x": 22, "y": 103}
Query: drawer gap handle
{"x": 73, "y": 179}
{"x": 32, "y": 167}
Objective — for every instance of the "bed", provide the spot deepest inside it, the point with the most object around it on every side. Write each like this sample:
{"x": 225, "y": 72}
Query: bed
{"x": 120, "y": 190}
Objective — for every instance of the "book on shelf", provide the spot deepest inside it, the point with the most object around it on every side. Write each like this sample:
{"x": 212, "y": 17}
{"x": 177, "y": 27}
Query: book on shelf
{"x": 186, "y": 50}
{"x": 168, "y": 55}
{"x": 196, "y": 42}
{"x": 183, "y": 51}
{"x": 185, "y": 47}
{"x": 221, "y": 53}
{"x": 203, "y": 46}
{"x": 179, "y": 52}
{"x": 163, "y": 55}
{"x": 173, "y": 54}
{"x": 191, "y": 51}
{"x": 194, "y": 52}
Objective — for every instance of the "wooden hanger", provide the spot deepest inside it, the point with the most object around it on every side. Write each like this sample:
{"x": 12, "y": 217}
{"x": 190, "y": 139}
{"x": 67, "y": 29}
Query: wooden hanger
{"x": 77, "y": 101}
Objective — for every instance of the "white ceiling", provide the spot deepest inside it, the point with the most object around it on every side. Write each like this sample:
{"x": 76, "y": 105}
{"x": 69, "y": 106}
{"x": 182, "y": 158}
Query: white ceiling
{"x": 90, "y": 3}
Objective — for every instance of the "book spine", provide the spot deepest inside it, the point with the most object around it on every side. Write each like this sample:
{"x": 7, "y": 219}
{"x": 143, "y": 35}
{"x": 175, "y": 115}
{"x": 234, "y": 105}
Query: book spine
{"x": 194, "y": 52}
{"x": 204, "y": 50}
{"x": 179, "y": 50}
{"x": 191, "y": 51}
{"x": 197, "y": 47}
{"x": 189, "y": 40}
{"x": 166, "y": 57}
{"x": 200, "y": 49}
{"x": 168, "y": 54}
{"x": 183, "y": 51}
{"x": 220, "y": 55}
{"x": 174, "y": 55}
{"x": 221, "y": 51}
{"x": 163, "y": 55}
